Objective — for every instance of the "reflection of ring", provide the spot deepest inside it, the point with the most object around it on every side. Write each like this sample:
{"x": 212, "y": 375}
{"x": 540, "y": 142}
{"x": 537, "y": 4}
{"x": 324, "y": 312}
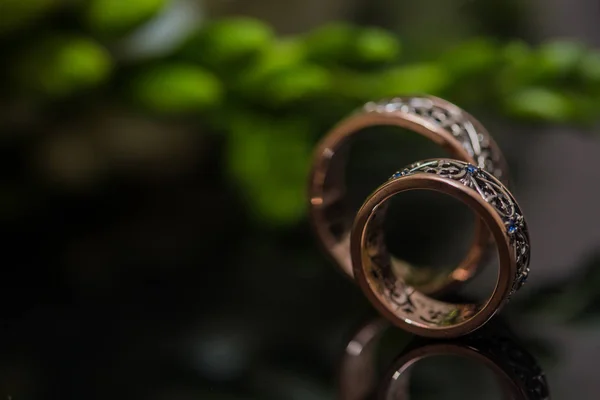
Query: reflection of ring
{"x": 495, "y": 347}
{"x": 440, "y": 121}
{"x": 404, "y": 305}
{"x": 357, "y": 376}
{"x": 517, "y": 371}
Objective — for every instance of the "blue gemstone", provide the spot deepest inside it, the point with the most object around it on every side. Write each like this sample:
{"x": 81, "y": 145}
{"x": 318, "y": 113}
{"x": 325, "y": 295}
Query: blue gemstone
{"x": 400, "y": 173}
{"x": 512, "y": 228}
{"x": 523, "y": 279}
{"x": 471, "y": 169}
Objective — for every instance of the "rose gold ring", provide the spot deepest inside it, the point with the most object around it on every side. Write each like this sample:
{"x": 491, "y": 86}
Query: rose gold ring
{"x": 442, "y": 122}
{"x": 404, "y": 305}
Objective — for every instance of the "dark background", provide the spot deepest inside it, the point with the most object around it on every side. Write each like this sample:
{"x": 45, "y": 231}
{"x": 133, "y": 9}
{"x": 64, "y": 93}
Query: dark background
{"x": 154, "y": 157}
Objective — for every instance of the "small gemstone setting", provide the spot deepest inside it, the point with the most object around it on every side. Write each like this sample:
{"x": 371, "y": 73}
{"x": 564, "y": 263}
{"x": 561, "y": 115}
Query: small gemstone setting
{"x": 399, "y": 174}
{"x": 522, "y": 279}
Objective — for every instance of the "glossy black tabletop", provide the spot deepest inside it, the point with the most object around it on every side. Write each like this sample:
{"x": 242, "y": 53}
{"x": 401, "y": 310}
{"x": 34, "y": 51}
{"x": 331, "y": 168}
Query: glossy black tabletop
{"x": 297, "y": 330}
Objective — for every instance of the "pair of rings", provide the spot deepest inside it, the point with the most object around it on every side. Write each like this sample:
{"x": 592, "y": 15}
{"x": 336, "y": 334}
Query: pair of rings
{"x": 476, "y": 175}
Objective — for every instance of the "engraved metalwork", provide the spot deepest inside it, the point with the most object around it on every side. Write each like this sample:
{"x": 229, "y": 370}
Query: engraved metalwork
{"x": 410, "y": 308}
{"x": 440, "y": 121}
{"x": 493, "y": 192}
{"x": 475, "y": 141}
{"x": 404, "y": 298}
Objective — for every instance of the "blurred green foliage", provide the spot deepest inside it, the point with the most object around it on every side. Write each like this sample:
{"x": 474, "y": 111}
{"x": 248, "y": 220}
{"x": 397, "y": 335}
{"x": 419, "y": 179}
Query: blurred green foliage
{"x": 589, "y": 68}
{"x": 295, "y": 83}
{"x": 474, "y": 57}
{"x": 57, "y": 66}
{"x": 344, "y": 44}
{"x": 541, "y": 103}
{"x": 115, "y": 17}
{"x": 267, "y": 157}
{"x": 176, "y": 88}
{"x": 273, "y": 97}
{"x": 227, "y": 42}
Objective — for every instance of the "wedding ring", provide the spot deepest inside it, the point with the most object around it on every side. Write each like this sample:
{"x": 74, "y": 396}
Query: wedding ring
{"x": 461, "y": 135}
{"x": 409, "y": 308}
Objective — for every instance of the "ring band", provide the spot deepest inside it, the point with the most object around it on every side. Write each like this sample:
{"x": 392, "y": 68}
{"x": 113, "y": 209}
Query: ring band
{"x": 402, "y": 304}
{"x": 440, "y": 121}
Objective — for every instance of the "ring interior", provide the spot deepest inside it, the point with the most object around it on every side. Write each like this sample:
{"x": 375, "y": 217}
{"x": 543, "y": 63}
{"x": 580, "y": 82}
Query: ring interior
{"x": 336, "y": 215}
{"x": 409, "y": 303}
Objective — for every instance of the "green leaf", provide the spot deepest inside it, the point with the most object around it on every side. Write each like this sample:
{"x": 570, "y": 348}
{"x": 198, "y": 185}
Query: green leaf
{"x": 517, "y": 52}
{"x": 268, "y": 159}
{"x": 344, "y": 44}
{"x": 519, "y": 69}
{"x": 115, "y": 17}
{"x": 421, "y": 78}
{"x": 283, "y": 54}
{"x": 296, "y": 83}
{"x": 227, "y": 42}
{"x": 471, "y": 57}
{"x": 375, "y": 46}
{"x": 551, "y": 64}
{"x": 61, "y": 65}
{"x": 426, "y": 78}
{"x": 540, "y": 104}
{"x": 559, "y": 58}
{"x": 176, "y": 89}
{"x": 331, "y": 43}
{"x": 589, "y": 68}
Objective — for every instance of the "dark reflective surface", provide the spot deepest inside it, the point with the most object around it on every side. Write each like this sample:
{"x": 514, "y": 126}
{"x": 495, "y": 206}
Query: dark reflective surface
{"x": 190, "y": 338}
{"x": 169, "y": 290}
{"x": 493, "y": 347}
